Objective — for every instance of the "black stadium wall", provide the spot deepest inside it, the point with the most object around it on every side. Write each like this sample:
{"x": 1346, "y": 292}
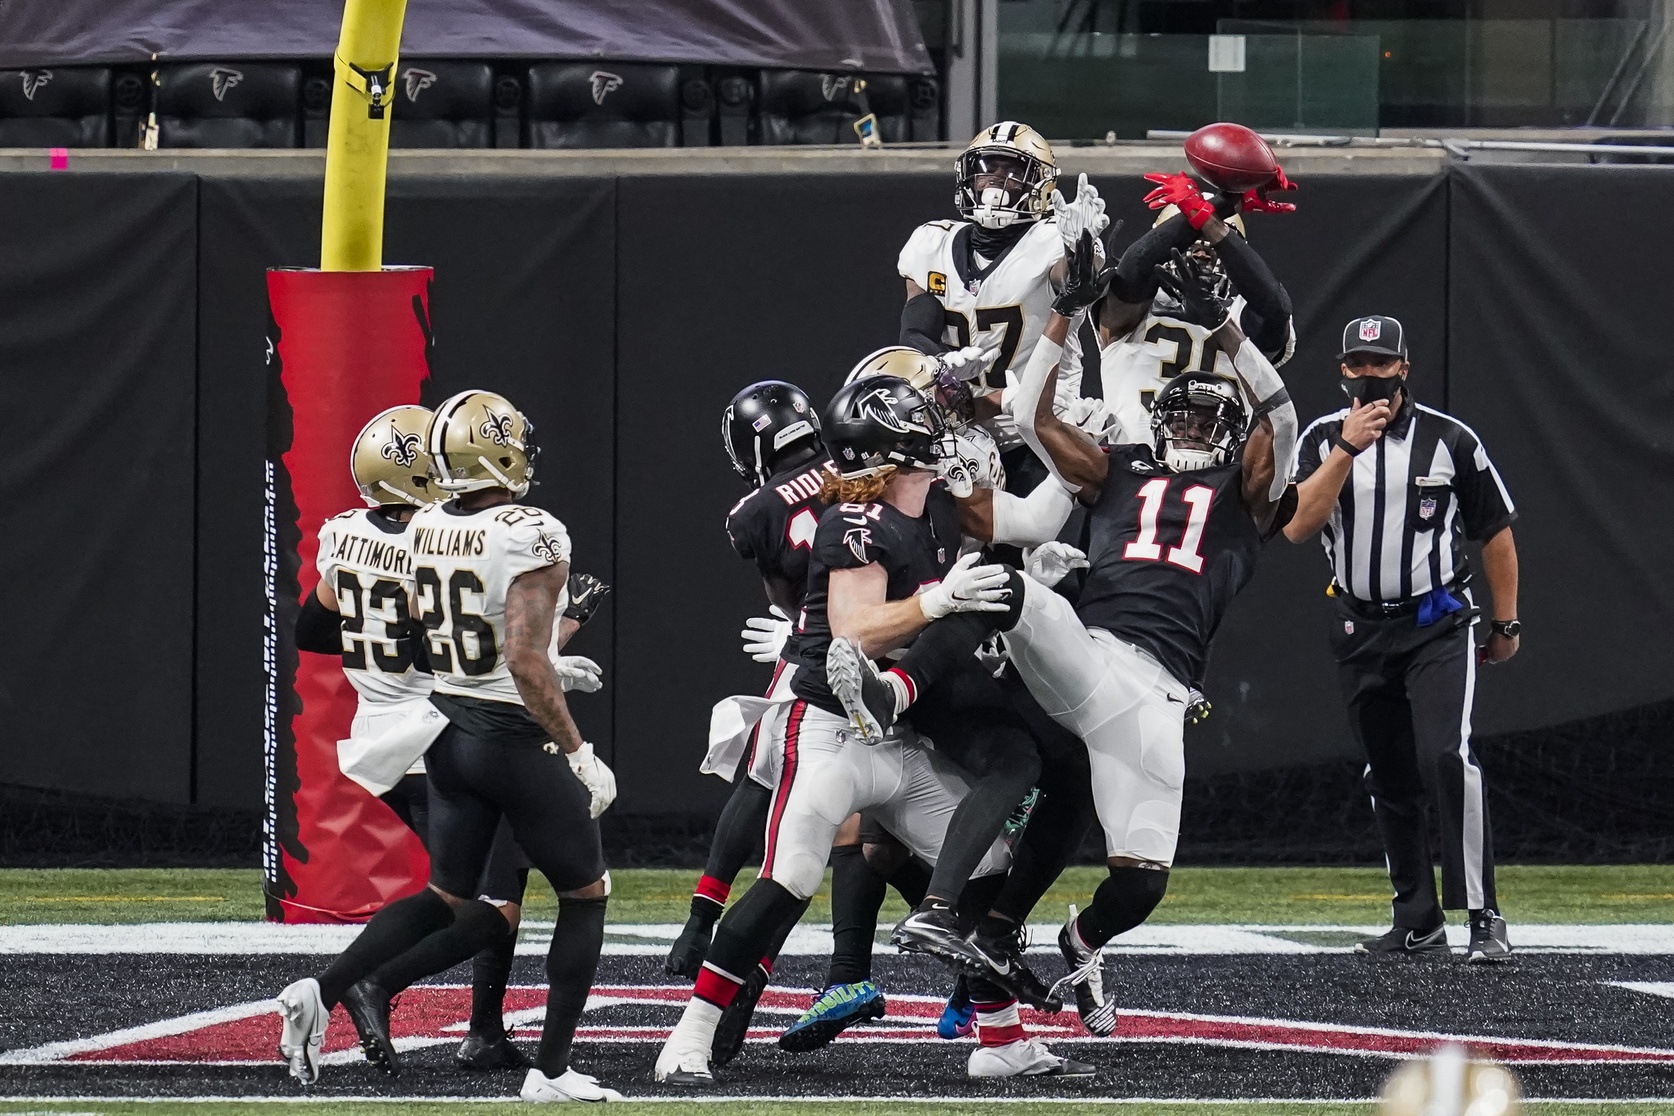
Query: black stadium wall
{"x": 622, "y": 312}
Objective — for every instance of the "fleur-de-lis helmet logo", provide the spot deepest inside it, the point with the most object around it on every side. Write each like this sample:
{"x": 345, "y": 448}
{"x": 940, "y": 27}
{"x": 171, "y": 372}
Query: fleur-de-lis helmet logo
{"x": 401, "y": 448}
{"x": 497, "y": 428}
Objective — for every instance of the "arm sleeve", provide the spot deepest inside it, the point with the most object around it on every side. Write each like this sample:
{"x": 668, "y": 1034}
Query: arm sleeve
{"x": 1273, "y": 400}
{"x": 1136, "y": 279}
{"x": 1033, "y": 519}
{"x": 1267, "y": 310}
{"x": 923, "y": 323}
{"x": 534, "y": 541}
{"x": 1026, "y": 400}
{"x": 1483, "y": 500}
{"x": 318, "y": 629}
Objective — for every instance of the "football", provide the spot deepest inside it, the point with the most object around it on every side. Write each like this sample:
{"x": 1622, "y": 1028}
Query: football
{"x": 1230, "y": 157}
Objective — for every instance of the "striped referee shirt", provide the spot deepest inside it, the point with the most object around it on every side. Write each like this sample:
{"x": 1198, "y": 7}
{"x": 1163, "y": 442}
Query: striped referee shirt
{"x": 1411, "y": 501}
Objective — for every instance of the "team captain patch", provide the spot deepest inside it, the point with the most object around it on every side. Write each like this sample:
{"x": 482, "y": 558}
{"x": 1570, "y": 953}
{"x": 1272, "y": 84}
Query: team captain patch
{"x": 938, "y": 283}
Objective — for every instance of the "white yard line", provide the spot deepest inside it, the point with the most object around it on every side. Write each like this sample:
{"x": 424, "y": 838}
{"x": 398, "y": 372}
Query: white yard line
{"x": 6, "y": 1103}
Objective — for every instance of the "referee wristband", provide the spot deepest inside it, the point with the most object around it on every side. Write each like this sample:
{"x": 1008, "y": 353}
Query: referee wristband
{"x": 1346, "y": 446}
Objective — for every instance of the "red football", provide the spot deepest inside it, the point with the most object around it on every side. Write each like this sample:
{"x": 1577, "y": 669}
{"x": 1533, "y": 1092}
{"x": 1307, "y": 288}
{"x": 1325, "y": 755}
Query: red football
{"x": 1230, "y": 157}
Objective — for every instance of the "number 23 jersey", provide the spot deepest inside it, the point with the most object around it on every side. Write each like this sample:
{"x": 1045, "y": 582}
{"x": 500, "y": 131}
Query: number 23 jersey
{"x": 366, "y": 558}
{"x": 463, "y": 564}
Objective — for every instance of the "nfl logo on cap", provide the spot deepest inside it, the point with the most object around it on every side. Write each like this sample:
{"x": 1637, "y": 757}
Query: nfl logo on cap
{"x": 1371, "y": 329}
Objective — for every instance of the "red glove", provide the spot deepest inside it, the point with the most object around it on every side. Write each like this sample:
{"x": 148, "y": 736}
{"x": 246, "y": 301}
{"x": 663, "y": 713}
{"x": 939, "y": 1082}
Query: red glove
{"x": 1179, "y": 190}
{"x": 1255, "y": 201}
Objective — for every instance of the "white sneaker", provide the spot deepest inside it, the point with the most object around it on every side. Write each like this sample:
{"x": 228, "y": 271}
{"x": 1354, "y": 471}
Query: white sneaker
{"x": 1023, "y": 1058}
{"x": 680, "y": 1063}
{"x": 567, "y": 1086}
{"x": 304, "y": 1017}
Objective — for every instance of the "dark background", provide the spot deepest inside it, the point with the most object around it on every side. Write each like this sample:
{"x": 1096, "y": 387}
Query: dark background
{"x": 622, "y": 313}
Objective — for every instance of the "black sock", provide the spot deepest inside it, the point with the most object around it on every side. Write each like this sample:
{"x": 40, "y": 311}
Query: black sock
{"x": 856, "y": 894}
{"x": 978, "y": 897}
{"x": 476, "y": 926}
{"x": 978, "y": 821}
{"x": 751, "y": 927}
{"x": 738, "y": 830}
{"x": 1124, "y": 899}
{"x": 571, "y": 962}
{"x": 392, "y": 931}
{"x": 946, "y": 646}
{"x": 1056, "y": 829}
{"x": 911, "y": 881}
{"x": 490, "y": 972}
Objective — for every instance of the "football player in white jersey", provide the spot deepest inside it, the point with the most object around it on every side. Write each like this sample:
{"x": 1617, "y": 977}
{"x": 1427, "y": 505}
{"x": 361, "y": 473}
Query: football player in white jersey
{"x": 490, "y": 575}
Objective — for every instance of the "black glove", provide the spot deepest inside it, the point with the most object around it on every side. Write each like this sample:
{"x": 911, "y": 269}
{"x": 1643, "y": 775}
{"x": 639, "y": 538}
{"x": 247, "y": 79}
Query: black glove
{"x": 586, "y": 591}
{"x": 1202, "y": 306}
{"x": 1084, "y": 280}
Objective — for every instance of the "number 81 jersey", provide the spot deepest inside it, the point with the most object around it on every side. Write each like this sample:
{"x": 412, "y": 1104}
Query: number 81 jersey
{"x": 365, "y": 557}
{"x": 463, "y": 564}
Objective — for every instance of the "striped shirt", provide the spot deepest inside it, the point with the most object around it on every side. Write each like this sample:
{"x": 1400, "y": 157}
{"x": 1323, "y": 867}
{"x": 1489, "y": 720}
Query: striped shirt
{"x": 1412, "y": 500}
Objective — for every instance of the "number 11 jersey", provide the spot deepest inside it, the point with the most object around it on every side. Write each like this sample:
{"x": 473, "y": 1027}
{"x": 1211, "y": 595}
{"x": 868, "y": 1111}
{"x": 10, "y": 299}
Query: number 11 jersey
{"x": 1169, "y": 551}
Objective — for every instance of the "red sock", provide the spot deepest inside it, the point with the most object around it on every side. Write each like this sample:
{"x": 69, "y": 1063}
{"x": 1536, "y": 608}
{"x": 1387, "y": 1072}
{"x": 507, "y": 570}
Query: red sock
{"x": 998, "y": 1024}
{"x": 716, "y": 891}
{"x": 716, "y": 986}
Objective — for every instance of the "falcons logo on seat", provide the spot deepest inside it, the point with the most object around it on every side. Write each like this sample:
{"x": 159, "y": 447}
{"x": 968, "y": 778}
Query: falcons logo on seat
{"x": 497, "y": 429}
{"x": 603, "y": 83}
{"x": 401, "y": 448}
{"x": 33, "y": 80}
{"x": 223, "y": 78}
{"x": 833, "y": 84}
{"x": 417, "y": 81}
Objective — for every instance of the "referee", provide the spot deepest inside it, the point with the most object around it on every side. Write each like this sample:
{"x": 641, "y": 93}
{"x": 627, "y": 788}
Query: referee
{"x": 1395, "y": 489}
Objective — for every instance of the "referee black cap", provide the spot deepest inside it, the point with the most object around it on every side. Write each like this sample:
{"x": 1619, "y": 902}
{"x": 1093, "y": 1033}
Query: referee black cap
{"x": 1375, "y": 333}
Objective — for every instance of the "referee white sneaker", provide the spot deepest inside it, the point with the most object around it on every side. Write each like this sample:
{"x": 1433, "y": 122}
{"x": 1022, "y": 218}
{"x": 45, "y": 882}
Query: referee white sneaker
{"x": 1023, "y": 1058}
{"x": 303, "y": 1028}
{"x": 567, "y": 1086}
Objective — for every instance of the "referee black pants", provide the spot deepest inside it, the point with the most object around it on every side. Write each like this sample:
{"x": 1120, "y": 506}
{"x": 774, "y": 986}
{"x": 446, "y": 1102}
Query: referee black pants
{"x": 1409, "y": 693}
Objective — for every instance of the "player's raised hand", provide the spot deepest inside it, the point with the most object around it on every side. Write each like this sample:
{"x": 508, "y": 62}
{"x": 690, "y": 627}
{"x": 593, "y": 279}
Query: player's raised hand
{"x": 1181, "y": 279}
{"x": 1365, "y": 422}
{"x": 967, "y": 587}
{"x": 1180, "y": 190}
{"x": 1256, "y": 201}
{"x": 1085, "y": 279}
{"x": 764, "y": 637}
{"x": 1051, "y": 562}
{"x": 1085, "y": 214}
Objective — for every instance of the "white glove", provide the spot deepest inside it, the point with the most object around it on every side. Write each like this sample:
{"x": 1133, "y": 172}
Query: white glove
{"x": 764, "y": 637}
{"x": 577, "y": 672}
{"x": 1091, "y": 415}
{"x": 967, "y": 587}
{"x": 599, "y": 780}
{"x": 1086, "y": 212}
{"x": 1049, "y": 563}
{"x": 973, "y": 361}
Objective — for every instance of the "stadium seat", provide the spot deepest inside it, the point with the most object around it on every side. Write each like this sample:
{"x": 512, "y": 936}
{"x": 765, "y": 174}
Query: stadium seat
{"x": 797, "y": 106}
{"x": 736, "y": 97}
{"x": 60, "y": 107}
{"x": 228, "y": 104}
{"x": 443, "y": 104}
{"x": 924, "y": 96}
{"x": 607, "y": 104}
{"x": 508, "y": 111}
{"x": 316, "y": 105}
{"x": 130, "y": 96}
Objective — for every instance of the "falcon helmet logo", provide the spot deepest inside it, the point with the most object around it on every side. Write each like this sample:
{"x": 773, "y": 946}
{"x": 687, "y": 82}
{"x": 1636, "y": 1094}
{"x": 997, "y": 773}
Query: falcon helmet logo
{"x": 401, "y": 448}
{"x": 223, "y": 78}
{"x": 879, "y": 407}
{"x": 548, "y": 548}
{"x": 858, "y": 539}
{"x": 32, "y": 82}
{"x": 833, "y": 84}
{"x": 1371, "y": 329}
{"x": 497, "y": 428}
{"x": 417, "y": 81}
{"x": 604, "y": 82}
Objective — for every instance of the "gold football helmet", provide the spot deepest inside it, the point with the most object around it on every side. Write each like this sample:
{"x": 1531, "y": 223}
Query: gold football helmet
{"x": 389, "y": 461}
{"x": 479, "y": 440}
{"x": 1005, "y": 175}
{"x": 1450, "y": 1082}
{"x": 951, "y": 395}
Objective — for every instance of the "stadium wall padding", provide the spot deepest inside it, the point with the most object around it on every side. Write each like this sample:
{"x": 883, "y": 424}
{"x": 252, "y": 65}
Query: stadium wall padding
{"x": 622, "y": 312}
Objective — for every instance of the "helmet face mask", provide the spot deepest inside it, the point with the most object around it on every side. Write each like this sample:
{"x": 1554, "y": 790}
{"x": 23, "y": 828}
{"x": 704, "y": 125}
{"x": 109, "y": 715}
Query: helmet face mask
{"x": 389, "y": 461}
{"x": 478, "y": 440}
{"x": 765, "y": 424}
{"x": 1005, "y": 175}
{"x": 1197, "y": 422}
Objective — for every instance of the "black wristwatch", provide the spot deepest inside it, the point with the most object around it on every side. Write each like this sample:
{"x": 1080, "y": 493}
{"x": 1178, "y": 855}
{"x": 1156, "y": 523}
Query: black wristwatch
{"x": 1511, "y": 629}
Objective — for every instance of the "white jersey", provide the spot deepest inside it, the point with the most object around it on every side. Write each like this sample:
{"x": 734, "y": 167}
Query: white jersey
{"x": 463, "y": 564}
{"x": 367, "y": 558}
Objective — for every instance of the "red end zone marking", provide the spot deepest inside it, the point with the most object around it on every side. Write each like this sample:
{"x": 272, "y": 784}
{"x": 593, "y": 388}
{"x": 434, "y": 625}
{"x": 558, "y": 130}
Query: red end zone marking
{"x": 432, "y": 1014}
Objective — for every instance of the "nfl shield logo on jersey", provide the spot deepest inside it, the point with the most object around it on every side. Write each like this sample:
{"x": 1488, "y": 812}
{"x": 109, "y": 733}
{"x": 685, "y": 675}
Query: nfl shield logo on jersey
{"x": 1348, "y": 627}
{"x": 1371, "y": 329}
{"x": 1426, "y": 508}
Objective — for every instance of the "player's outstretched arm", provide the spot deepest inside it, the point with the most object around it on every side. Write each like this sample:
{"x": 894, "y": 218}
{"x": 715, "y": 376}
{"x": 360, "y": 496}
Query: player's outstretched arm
{"x": 531, "y": 603}
{"x": 859, "y": 609}
{"x": 996, "y": 516}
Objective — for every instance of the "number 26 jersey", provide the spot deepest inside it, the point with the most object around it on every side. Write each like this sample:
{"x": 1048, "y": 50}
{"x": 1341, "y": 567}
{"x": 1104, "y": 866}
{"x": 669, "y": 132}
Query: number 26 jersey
{"x": 463, "y": 564}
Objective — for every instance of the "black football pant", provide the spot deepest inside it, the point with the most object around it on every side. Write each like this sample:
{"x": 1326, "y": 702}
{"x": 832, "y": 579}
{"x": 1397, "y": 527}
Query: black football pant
{"x": 1409, "y": 693}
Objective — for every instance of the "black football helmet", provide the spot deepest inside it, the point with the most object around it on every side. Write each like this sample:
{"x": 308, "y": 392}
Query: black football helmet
{"x": 1198, "y": 422}
{"x": 880, "y": 421}
{"x": 766, "y": 424}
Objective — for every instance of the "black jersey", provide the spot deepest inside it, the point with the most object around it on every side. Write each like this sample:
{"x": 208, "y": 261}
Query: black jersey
{"x": 916, "y": 553}
{"x": 774, "y": 527}
{"x": 1169, "y": 551}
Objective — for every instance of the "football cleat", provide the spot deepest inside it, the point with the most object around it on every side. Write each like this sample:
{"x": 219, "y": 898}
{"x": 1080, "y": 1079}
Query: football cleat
{"x": 1086, "y": 976}
{"x": 735, "y": 1018}
{"x": 368, "y": 1007}
{"x": 836, "y": 1010}
{"x": 1489, "y": 942}
{"x": 683, "y": 1065}
{"x": 866, "y": 697}
{"x": 1401, "y": 942}
{"x": 302, "y": 1032}
{"x": 685, "y": 956}
{"x": 567, "y": 1086}
{"x": 959, "y": 1015}
{"x": 934, "y": 929}
{"x": 1023, "y": 1058}
{"x": 478, "y": 1052}
{"x": 1000, "y": 960}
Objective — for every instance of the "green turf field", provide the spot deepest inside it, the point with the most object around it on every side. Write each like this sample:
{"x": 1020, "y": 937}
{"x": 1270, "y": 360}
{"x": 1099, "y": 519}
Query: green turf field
{"x": 409, "y": 1107}
{"x": 1267, "y": 896}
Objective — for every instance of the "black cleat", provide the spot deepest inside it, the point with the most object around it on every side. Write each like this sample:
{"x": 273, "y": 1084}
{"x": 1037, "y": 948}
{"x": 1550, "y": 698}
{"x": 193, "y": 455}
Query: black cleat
{"x": 933, "y": 928}
{"x": 1001, "y": 961}
{"x": 1489, "y": 943}
{"x": 685, "y": 956}
{"x": 867, "y": 698}
{"x": 1086, "y": 976}
{"x": 1401, "y": 942}
{"x": 480, "y": 1052}
{"x": 735, "y": 1020}
{"x": 368, "y": 1007}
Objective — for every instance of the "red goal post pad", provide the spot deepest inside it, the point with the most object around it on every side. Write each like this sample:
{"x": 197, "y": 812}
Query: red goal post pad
{"x": 341, "y": 346}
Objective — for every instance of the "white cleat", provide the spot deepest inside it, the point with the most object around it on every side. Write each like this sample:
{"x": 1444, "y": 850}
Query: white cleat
{"x": 1023, "y": 1058}
{"x": 302, "y": 1034}
{"x": 683, "y": 1065}
{"x": 567, "y": 1086}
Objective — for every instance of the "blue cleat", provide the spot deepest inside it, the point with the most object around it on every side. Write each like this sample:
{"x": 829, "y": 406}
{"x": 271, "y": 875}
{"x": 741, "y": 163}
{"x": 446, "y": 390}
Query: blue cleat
{"x": 838, "y": 1008}
{"x": 959, "y": 1016}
